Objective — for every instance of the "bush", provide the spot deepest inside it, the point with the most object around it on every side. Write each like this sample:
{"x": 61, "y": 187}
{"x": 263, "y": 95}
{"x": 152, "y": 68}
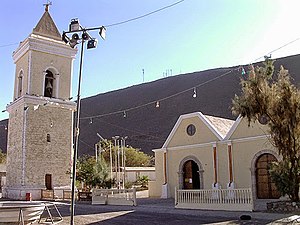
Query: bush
{"x": 280, "y": 174}
{"x": 143, "y": 181}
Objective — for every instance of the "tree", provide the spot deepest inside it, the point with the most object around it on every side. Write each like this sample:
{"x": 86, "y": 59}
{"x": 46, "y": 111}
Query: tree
{"x": 134, "y": 157}
{"x": 275, "y": 102}
{"x": 2, "y": 156}
{"x": 92, "y": 173}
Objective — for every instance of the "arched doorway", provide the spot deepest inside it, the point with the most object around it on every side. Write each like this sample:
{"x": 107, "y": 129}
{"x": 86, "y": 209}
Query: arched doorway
{"x": 191, "y": 178}
{"x": 49, "y": 84}
{"x": 265, "y": 188}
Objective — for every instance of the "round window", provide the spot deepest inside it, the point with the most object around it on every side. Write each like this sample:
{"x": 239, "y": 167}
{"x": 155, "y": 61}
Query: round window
{"x": 191, "y": 130}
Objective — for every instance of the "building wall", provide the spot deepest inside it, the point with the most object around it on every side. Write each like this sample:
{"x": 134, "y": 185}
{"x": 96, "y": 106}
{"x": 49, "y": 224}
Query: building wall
{"x": 55, "y": 156}
{"x": 22, "y": 65}
{"x": 14, "y": 146}
{"x": 203, "y": 133}
{"x": 63, "y": 66}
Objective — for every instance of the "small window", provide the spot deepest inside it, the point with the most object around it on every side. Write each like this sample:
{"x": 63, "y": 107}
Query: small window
{"x": 191, "y": 130}
{"x": 48, "y": 138}
{"x": 20, "y": 85}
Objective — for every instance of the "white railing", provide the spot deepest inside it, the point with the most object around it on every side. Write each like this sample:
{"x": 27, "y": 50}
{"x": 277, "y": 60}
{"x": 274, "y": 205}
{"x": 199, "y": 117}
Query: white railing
{"x": 218, "y": 199}
{"x": 114, "y": 196}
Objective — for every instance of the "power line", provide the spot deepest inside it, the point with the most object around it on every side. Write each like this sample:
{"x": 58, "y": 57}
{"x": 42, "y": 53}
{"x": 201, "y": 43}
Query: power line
{"x": 125, "y": 21}
{"x": 186, "y": 90}
{"x": 3, "y": 46}
{"x": 157, "y": 100}
{"x": 145, "y": 15}
{"x": 291, "y": 42}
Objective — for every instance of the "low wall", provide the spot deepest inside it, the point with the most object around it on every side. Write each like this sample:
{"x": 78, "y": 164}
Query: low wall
{"x": 154, "y": 189}
{"x": 114, "y": 197}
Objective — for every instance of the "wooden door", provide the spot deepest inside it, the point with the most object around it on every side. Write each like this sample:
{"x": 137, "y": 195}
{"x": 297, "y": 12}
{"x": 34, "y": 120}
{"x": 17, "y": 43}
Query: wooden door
{"x": 191, "y": 175}
{"x": 265, "y": 188}
{"x": 48, "y": 181}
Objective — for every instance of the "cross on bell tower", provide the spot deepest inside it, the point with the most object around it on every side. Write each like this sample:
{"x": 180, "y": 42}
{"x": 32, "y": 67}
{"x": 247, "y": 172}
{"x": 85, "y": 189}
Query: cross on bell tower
{"x": 47, "y": 5}
{"x": 39, "y": 150}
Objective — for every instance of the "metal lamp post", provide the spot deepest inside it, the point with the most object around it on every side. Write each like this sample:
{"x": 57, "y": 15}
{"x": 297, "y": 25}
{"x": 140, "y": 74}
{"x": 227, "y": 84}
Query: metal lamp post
{"x": 74, "y": 29}
{"x": 115, "y": 138}
{"x": 123, "y": 139}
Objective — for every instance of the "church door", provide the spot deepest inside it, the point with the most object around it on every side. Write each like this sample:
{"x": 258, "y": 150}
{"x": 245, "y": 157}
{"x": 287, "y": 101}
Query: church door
{"x": 48, "y": 181}
{"x": 191, "y": 178}
{"x": 266, "y": 189}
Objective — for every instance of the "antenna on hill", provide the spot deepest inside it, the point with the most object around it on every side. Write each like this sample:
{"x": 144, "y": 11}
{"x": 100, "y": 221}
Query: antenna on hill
{"x": 143, "y": 75}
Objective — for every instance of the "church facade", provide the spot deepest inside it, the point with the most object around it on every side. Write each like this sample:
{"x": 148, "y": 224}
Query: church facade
{"x": 39, "y": 148}
{"x": 210, "y": 153}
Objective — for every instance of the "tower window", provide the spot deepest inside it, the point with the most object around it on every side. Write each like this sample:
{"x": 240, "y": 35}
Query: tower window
{"x": 48, "y": 85}
{"x": 48, "y": 138}
{"x": 20, "y": 85}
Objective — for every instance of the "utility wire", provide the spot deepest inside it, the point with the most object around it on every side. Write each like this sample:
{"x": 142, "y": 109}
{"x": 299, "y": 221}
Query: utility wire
{"x": 125, "y": 21}
{"x": 189, "y": 89}
{"x": 3, "y": 46}
{"x": 297, "y": 39}
{"x": 157, "y": 100}
{"x": 145, "y": 15}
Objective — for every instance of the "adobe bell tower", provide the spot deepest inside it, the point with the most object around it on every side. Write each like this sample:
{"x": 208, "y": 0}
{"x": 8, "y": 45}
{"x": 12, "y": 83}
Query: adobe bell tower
{"x": 39, "y": 148}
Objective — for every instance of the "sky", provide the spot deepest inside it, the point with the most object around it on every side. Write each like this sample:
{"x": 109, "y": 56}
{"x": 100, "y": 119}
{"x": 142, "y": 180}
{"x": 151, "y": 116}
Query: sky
{"x": 193, "y": 35}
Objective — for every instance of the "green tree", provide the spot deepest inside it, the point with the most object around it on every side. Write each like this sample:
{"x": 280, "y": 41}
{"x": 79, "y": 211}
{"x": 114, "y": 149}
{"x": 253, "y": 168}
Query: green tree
{"x": 134, "y": 157}
{"x": 92, "y": 173}
{"x": 275, "y": 102}
{"x": 2, "y": 156}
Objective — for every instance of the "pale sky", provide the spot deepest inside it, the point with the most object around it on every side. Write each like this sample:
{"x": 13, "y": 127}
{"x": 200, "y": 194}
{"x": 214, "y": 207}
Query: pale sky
{"x": 193, "y": 35}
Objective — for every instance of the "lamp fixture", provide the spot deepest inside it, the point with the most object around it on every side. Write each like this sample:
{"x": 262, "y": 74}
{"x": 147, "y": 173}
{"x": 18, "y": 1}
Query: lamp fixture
{"x": 195, "y": 93}
{"x": 74, "y": 25}
{"x": 85, "y": 36}
{"x": 75, "y": 39}
{"x": 102, "y": 32}
{"x": 157, "y": 104}
{"x": 92, "y": 43}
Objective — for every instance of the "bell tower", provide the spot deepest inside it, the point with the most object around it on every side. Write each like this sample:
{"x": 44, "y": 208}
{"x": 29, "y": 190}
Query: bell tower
{"x": 39, "y": 148}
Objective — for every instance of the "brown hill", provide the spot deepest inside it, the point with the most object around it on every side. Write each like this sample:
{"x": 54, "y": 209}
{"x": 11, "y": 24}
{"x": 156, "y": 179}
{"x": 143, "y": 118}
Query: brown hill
{"x": 147, "y": 126}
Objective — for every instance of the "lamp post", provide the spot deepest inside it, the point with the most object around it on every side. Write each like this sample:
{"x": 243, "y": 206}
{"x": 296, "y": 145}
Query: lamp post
{"x": 123, "y": 139}
{"x": 74, "y": 29}
{"x": 115, "y": 138}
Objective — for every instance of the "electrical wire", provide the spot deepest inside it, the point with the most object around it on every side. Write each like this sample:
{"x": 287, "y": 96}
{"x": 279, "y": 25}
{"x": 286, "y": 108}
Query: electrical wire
{"x": 189, "y": 89}
{"x": 157, "y": 100}
{"x": 125, "y": 21}
{"x": 3, "y": 46}
{"x": 291, "y": 42}
{"x": 145, "y": 15}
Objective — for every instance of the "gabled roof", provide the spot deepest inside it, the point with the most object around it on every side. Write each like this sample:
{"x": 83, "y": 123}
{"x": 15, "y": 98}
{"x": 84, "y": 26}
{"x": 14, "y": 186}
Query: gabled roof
{"x": 233, "y": 128}
{"x": 46, "y": 27}
{"x": 221, "y": 124}
{"x": 218, "y": 126}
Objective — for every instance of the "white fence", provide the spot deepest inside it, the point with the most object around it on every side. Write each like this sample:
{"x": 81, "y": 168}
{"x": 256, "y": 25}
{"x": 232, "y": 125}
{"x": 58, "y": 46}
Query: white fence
{"x": 114, "y": 196}
{"x": 219, "y": 199}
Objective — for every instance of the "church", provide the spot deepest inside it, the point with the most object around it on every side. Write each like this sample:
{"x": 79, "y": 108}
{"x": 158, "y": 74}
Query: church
{"x": 210, "y": 162}
{"x": 39, "y": 147}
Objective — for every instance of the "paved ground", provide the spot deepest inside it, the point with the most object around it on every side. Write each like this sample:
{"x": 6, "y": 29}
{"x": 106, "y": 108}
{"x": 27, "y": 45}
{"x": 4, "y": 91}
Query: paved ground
{"x": 161, "y": 211}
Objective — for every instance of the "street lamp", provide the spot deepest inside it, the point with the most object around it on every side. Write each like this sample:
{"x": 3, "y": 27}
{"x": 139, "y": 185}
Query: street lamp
{"x": 79, "y": 34}
{"x": 123, "y": 139}
{"x": 115, "y": 138}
